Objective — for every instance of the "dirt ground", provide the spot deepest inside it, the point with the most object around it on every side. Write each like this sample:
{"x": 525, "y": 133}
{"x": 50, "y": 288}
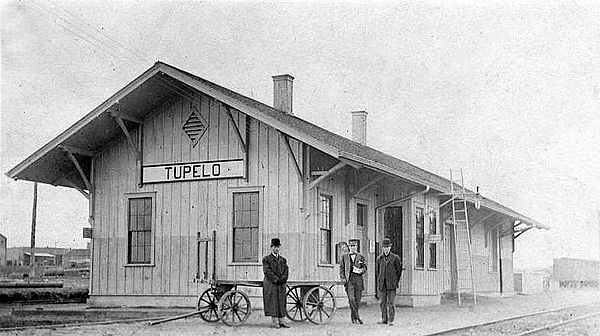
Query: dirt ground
{"x": 409, "y": 321}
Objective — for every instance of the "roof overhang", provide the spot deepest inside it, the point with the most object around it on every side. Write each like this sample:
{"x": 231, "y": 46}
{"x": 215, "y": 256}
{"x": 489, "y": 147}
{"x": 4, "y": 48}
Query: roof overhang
{"x": 51, "y": 164}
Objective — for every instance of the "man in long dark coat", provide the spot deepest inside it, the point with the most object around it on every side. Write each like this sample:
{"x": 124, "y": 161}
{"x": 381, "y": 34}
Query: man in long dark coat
{"x": 389, "y": 270}
{"x": 275, "y": 269}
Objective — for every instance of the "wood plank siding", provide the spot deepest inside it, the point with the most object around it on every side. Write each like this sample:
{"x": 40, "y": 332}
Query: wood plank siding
{"x": 185, "y": 211}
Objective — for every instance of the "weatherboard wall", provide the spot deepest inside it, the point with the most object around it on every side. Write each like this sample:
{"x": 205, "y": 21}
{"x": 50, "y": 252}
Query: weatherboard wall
{"x": 185, "y": 210}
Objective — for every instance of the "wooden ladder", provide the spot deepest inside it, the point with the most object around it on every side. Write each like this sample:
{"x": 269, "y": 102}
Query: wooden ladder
{"x": 465, "y": 282}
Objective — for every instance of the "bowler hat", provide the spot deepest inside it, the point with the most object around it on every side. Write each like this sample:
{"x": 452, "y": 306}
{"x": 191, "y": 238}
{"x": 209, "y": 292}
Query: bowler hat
{"x": 386, "y": 242}
{"x": 275, "y": 242}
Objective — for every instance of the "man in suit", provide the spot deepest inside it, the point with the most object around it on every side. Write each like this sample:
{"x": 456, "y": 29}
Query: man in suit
{"x": 389, "y": 270}
{"x": 275, "y": 269}
{"x": 352, "y": 268}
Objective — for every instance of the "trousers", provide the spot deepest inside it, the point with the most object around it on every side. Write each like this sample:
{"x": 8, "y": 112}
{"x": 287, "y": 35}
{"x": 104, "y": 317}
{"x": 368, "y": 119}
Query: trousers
{"x": 354, "y": 289}
{"x": 388, "y": 310}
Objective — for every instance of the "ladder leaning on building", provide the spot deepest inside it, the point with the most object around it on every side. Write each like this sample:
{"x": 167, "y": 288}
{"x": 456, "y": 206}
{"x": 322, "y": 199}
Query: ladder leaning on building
{"x": 462, "y": 238}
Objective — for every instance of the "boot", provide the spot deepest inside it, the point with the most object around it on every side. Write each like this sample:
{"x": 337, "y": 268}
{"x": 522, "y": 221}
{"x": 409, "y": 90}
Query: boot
{"x": 281, "y": 324}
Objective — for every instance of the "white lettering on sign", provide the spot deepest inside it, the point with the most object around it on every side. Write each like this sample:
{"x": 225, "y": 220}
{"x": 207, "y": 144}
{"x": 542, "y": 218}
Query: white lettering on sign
{"x": 192, "y": 171}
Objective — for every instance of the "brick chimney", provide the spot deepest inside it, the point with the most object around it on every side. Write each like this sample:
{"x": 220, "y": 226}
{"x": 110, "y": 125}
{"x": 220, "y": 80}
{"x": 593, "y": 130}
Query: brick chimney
{"x": 359, "y": 126}
{"x": 283, "y": 92}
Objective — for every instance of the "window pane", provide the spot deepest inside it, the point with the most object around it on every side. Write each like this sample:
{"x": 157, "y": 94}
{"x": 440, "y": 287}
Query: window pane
{"x": 245, "y": 201}
{"x": 236, "y": 238}
{"x": 237, "y": 219}
{"x": 419, "y": 222}
{"x": 254, "y": 201}
{"x": 132, "y": 208}
{"x": 148, "y": 238}
{"x": 432, "y": 220}
{"x": 433, "y": 255}
{"x": 420, "y": 262}
{"x": 361, "y": 211}
{"x": 254, "y": 219}
{"x": 237, "y": 201}
{"x": 254, "y": 251}
{"x": 140, "y": 206}
{"x": 140, "y": 253}
{"x": 147, "y": 254}
{"x": 147, "y": 206}
{"x": 325, "y": 246}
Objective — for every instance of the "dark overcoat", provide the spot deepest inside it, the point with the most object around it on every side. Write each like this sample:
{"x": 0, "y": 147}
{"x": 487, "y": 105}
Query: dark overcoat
{"x": 274, "y": 289}
{"x": 388, "y": 273}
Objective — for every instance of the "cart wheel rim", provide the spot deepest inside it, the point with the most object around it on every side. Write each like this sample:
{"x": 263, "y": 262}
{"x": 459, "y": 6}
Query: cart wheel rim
{"x": 208, "y": 305}
{"x": 293, "y": 305}
{"x": 234, "y": 308}
{"x": 320, "y": 305}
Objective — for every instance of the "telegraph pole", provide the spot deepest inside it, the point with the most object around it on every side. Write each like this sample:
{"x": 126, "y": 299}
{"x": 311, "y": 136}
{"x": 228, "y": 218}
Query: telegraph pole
{"x": 33, "y": 219}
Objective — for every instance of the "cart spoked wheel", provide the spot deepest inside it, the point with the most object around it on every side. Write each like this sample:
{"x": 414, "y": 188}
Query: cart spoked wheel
{"x": 293, "y": 304}
{"x": 319, "y": 305}
{"x": 234, "y": 308}
{"x": 208, "y": 305}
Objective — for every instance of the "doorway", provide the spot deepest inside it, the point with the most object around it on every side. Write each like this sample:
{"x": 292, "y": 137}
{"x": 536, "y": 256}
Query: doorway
{"x": 362, "y": 234}
{"x": 389, "y": 225}
{"x": 392, "y": 228}
{"x": 450, "y": 274}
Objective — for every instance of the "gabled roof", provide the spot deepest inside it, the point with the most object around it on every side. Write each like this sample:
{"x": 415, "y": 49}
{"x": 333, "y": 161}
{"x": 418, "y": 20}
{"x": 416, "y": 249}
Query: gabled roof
{"x": 50, "y": 164}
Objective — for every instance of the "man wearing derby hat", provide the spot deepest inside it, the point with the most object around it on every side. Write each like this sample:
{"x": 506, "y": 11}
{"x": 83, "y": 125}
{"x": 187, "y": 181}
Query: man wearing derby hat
{"x": 275, "y": 269}
{"x": 352, "y": 268}
{"x": 389, "y": 270}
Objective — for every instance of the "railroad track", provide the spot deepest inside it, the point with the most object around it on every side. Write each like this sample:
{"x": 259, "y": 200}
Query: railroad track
{"x": 539, "y": 323}
{"x": 37, "y": 302}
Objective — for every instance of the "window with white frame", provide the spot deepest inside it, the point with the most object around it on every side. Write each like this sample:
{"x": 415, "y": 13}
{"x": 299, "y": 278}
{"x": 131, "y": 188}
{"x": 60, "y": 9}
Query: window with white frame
{"x": 139, "y": 230}
{"x": 325, "y": 223}
{"x": 246, "y": 226}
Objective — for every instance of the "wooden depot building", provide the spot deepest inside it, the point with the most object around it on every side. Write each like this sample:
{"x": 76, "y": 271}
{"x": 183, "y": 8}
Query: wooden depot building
{"x": 173, "y": 160}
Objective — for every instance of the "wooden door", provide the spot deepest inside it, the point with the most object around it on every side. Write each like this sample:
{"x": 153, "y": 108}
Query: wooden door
{"x": 392, "y": 222}
{"x": 362, "y": 233}
{"x": 449, "y": 260}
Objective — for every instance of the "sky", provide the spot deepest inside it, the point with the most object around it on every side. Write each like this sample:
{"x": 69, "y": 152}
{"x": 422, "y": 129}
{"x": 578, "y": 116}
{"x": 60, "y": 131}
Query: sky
{"x": 509, "y": 92}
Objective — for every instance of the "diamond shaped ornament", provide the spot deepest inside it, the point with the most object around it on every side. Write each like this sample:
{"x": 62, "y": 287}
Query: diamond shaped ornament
{"x": 195, "y": 126}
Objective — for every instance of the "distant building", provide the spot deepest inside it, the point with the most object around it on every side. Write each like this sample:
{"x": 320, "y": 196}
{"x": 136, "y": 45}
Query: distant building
{"x": 3, "y": 242}
{"x": 530, "y": 282}
{"x": 570, "y": 272}
{"x": 76, "y": 258}
{"x": 49, "y": 256}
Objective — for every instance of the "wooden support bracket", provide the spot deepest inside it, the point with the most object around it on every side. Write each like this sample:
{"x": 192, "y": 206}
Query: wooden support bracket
{"x": 523, "y": 231}
{"x": 329, "y": 173}
{"x": 88, "y": 185}
{"x": 85, "y": 194}
{"x": 77, "y": 150}
{"x": 286, "y": 140}
{"x": 237, "y": 130}
{"x": 126, "y": 117}
{"x": 402, "y": 199}
{"x": 121, "y": 124}
{"x": 364, "y": 187}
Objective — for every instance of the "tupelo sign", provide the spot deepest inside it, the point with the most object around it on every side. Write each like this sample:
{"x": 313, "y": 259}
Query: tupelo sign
{"x": 191, "y": 171}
